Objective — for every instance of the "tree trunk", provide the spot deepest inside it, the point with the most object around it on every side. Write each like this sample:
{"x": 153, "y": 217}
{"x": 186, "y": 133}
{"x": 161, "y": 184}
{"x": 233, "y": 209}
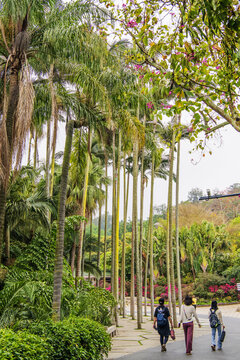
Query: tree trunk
{"x": 141, "y": 220}
{"x": 170, "y": 240}
{"x": 146, "y": 271}
{"x": 151, "y": 237}
{"x": 105, "y": 224}
{"x": 113, "y": 214}
{"x": 29, "y": 147}
{"x": 48, "y": 149}
{"x": 116, "y": 256}
{"x": 7, "y": 242}
{"x": 35, "y": 156}
{"x": 54, "y": 116}
{"x": 73, "y": 256}
{"x": 123, "y": 272}
{"x": 135, "y": 232}
{"x": 58, "y": 266}
{"x": 13, "y": 98}
{"x": 99, "y": 236}
{"x": 177, "y": 228}
{"x": 83, "y": 212}
{"x": 90, "y": 246}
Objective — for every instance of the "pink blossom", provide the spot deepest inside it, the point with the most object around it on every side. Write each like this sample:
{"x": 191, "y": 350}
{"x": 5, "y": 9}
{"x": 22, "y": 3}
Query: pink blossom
{"x": 132, "y": 23}
{"x": 150, "y": 105}
{"x": 150, "y": 79}
{"x": 204, "y": 61}
{"x": 190, "y": 129}
{"x": 170, "y": 93}
{"x": 141, "y": 76}
{"x": 124, "y": 5}
{"x": 138, "y": 67}
{"x": 218, "y": 67}
{"x": 208, "y": 128}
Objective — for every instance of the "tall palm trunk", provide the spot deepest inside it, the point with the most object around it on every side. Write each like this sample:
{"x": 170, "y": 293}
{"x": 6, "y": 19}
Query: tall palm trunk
{"x": 105, "y": 224}
{"x": 116, "y": 256}
{"x": 151, "y": 237}
{"x": 135, "y": 232}
{"x": 99, "y": 235}
{"x": 146, "y": 271}
{"x": 29, "y": 147}
{"x": 35, "y": 156}
{"x": 54, "y": 143}
{"x": 141, "y": 218}
{"x": 169, "y": 233}
{"x": 90, "y": 246}
{"x": 177, "y": 228}
{"x": 83, "y": 211}
{"x": 48, "y": 146}
{"x": 113, "y": 213}
{"x": 58, "y": 266}
{"x": 13, "y": 98}
{"x": 123, "y": 272}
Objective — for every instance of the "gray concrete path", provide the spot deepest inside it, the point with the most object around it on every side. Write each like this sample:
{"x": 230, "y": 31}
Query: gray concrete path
{"x": 131, "y": 343}
{"x": 201, "y": 347}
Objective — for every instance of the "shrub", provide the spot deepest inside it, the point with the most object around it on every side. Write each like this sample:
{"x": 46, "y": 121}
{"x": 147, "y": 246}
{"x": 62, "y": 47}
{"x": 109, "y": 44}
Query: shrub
{"x": 74, "y": 338}
{"x": 207, "y": 280}
{"x": 23, "y": 346}
{"x": 94, "y": 303}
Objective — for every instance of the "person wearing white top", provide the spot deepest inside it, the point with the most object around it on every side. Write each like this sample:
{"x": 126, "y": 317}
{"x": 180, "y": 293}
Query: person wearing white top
{"x": 186, "y": 318}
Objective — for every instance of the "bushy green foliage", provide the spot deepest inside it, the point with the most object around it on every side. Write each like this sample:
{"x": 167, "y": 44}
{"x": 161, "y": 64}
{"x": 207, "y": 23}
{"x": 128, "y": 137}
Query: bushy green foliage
{"x": 94, "y": 303}
{"x": 28, "y": 287}
{"x": 202, "y": 283}
{"x": 233, "y": 272}
{"x": 22, "y": 345}
{"x": 74, "y": 338}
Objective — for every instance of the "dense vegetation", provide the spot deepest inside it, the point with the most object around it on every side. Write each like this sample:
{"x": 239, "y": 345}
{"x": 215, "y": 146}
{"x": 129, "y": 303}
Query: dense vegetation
{"x": 121, "y": 79}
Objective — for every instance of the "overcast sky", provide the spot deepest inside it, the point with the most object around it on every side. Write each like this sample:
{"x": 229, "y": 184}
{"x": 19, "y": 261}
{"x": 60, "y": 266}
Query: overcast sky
{"x": 216, "y": 171}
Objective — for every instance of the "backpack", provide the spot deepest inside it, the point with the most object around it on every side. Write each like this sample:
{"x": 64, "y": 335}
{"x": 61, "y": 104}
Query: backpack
{"x": 213, "y": 319}
{"x": 161, "y": 320}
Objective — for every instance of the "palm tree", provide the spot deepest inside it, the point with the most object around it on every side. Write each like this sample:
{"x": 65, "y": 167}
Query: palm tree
{"x": 15, "y": 20}
{"x": 58, "y": 267}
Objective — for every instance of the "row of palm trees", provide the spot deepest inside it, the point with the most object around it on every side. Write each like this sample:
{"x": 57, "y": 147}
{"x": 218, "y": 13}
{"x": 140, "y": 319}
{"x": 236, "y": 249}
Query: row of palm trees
{"x": 55, "y": 66}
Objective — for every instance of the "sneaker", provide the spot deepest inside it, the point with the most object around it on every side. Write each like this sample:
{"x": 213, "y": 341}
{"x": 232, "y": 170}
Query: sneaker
{"x": 220, "y": 349}
{"x": 164, "y": 347}
{"x": 162, "y": 350}
{"x": 189, "y": 353}
{"x": 213, "y": 347}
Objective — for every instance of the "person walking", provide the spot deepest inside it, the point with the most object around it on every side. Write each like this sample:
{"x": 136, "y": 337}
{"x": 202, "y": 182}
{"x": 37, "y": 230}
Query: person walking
{"x": 186, "y": 318}
{"x": 161, "y": 319}
{"x": 216, "y": 323}
{"x": 194, "y": 301}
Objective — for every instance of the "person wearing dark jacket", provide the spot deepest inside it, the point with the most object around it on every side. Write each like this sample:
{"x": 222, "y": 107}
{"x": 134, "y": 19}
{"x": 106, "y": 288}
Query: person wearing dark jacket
{"x": 161, "y": 323}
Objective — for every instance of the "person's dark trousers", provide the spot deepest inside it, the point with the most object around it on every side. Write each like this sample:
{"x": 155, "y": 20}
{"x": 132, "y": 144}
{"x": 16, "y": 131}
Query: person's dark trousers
{"x": 188, "y": 332}
{"x": 163, "y": 339}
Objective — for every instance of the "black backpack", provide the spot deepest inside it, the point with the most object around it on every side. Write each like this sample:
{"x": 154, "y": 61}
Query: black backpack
{"x": 213, "y": 319}
{"x": 161, "y": 319}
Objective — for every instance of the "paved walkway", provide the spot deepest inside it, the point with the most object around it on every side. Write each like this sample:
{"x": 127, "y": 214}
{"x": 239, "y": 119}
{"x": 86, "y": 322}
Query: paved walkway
{"x": 131, "y": 343}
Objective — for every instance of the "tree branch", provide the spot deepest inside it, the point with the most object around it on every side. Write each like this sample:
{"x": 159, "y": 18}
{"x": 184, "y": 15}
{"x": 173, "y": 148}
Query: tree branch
{"x": 4, "y": 37}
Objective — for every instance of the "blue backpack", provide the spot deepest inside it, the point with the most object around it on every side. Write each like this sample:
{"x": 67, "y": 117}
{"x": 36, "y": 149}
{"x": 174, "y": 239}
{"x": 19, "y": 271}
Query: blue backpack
{"x": 161, "y": 320}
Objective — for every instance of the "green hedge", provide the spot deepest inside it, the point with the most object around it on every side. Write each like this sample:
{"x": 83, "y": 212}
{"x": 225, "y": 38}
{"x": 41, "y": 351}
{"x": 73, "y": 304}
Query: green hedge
{"x": 74, "y": 338}
{"x": 23, "y": 346}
